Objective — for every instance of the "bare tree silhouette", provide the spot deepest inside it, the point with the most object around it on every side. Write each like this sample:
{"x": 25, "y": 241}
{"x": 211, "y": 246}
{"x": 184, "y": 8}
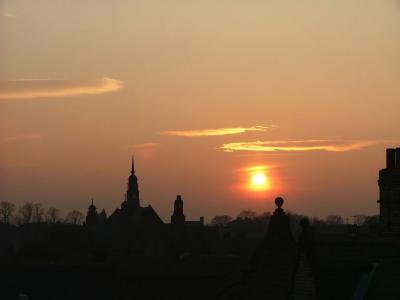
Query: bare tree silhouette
{"x": 247, "y": 214}
{"x": 53, "y": 215}
{"x": 25, "y": 213}
{"x": 6, "y": 211}
{"x": 38, "y": 213}
{"x": 221, "y": 220}
{"x": 74, "y": 217}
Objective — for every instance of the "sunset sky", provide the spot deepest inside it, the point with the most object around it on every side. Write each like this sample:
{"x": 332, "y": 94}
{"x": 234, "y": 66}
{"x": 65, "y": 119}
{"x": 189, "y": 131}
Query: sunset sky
{"x": 204, "y": 94}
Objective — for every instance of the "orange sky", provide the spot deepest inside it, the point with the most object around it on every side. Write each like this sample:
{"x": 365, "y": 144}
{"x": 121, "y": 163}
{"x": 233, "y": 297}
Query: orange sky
{"x": 200, "y": 91}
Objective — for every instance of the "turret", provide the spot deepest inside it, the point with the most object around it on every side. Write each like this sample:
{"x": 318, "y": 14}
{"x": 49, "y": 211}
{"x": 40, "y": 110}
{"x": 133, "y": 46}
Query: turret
{"x": 178, "y": 218}
{"x": 103, "y": 217}
{"x": 92, "y": 217}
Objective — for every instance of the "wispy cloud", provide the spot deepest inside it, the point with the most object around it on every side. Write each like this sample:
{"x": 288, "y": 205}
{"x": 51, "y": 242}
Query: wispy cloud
{"x": 216, "y": 132}
{"x": 292, "y": 146}
{"x": 23, "y": 137}
{"x": 45, "y": 88}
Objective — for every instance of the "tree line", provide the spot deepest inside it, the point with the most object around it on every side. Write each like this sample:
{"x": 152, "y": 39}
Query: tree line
{"x": 331, "y": 220}
{"x": 33, "y": 212}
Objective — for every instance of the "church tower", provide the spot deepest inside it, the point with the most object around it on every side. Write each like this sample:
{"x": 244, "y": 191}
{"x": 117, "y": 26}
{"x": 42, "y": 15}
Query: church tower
{"x": 132, "y": 193}
{"x": 178, "y": 218}
{"x": 389, "y": 193}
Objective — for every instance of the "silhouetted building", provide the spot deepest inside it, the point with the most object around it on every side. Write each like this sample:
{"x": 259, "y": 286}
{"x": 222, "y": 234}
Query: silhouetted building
{"x": 131, "y": 211}
{"x": 103, "y": 217}
{"x": 132, "y": 193}
{"x": 280, "y": 268}
{"x": 190, "y": 236}
{"x": 178, "y": 218}
{"x": 92, "y": 217}
{"x": 128, "y": 254}
{"x": 389, "y": 193}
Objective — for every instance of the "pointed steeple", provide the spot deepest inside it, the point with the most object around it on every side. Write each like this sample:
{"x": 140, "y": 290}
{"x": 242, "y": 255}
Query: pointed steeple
{"x": 133, "y": 165}
{"x": 132, "y": 193}
{"x": 91, "y": 206}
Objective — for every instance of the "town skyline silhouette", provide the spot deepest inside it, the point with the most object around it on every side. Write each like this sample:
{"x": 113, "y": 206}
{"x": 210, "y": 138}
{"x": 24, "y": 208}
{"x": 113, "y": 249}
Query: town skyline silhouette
{"x": 281, "y": 255}
{"x": 191, "y": 150}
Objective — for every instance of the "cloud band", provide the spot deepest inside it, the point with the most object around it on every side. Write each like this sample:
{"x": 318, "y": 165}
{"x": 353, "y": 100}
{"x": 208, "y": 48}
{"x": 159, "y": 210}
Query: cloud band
{"x": 46, "y": 88}
{"x": 296, "y": 146}
{"x": 215, "y": 132}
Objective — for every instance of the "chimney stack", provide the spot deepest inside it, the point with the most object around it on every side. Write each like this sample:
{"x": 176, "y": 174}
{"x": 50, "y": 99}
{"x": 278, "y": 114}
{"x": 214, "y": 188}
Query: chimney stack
{"x": 397, "y": 158}
{"x": 391, "y": 158}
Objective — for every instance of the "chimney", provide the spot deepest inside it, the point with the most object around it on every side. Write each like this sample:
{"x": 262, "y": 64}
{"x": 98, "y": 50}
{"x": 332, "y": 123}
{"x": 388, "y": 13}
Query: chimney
{"x": 397, "y": 158}
{"x": 391, "y": 158}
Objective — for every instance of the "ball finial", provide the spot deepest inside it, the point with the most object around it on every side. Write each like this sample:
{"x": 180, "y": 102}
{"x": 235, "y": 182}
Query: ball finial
{"x": 279, "y": 202}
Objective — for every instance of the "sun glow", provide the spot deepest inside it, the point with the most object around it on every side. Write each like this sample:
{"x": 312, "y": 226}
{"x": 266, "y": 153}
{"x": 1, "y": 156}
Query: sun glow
{"x": 259, "y": 180}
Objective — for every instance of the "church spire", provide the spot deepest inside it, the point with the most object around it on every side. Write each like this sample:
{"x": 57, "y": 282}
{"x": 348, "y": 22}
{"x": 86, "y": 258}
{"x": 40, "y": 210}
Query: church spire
{"x": 133, "y": 165}
{"x": 132, "y": 193}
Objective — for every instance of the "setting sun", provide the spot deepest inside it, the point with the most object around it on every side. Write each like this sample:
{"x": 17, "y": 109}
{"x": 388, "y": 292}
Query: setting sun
{"x": 259, "y": 180}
